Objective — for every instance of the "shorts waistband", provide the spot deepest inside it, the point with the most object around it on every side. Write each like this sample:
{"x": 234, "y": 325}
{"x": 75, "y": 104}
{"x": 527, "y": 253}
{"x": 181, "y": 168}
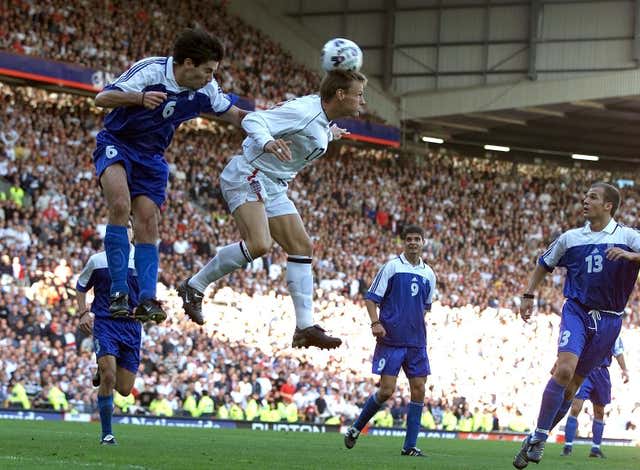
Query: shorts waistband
{"x": 280, "y": 181}
{"x": 588, "y": 309}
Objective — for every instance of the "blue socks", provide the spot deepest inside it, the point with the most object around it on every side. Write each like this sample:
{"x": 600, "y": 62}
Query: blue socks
{"x": 147, "y": 260}
{"x": 597, "y": 428}
{"x": 116, "y": 245}
{"x": 105, "y": 405}
{"x": 370, "y": 408}
{"x": 413, "y": 424}
{"x": 552, "y": 399}
{"x": 570, "y": 430}
{"x": 564, "y": 408}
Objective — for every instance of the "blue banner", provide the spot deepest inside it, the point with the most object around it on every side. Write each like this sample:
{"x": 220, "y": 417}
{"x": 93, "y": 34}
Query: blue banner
{"x": 371, "y": 132}
{"x": 77, "y": 77}
{"x": 51, "y": 71}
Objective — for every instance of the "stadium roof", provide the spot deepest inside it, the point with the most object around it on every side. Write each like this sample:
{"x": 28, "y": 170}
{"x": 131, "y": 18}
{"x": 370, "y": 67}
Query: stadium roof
{"x": 548, "y": 78}
{"x": 607, "y": 128}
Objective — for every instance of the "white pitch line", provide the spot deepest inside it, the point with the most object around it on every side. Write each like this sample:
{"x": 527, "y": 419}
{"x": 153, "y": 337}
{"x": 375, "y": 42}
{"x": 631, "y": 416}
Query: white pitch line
{"x": 16, "y": 458}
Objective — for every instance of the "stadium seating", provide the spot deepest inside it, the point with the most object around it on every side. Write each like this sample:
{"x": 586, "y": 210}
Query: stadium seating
{"x": 486, "y": 223}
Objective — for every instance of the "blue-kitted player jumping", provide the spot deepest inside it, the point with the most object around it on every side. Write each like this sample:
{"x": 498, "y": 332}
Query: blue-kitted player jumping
{"x": 149, "y": 102}
{"x": 403, "y": 290}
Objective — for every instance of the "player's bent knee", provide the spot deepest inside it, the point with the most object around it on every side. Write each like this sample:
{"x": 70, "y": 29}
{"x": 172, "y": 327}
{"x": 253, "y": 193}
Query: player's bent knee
{"x": 598, "y": 412}
{"x": 119, "y": 208}
{"x": 258, "y": 246}
{"x": 300, "y": 247}
{"x": 563, "y": 374}
{"x": 384, "y": 394}
{"x": 108, "y": 379}
{"x": 124, "y": 390}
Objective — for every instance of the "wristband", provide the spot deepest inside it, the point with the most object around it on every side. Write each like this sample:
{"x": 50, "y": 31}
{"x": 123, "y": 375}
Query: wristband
{"x": 527, "y": 296}
{"x": 374, "y": 323}
{"x": 142, "y": 100}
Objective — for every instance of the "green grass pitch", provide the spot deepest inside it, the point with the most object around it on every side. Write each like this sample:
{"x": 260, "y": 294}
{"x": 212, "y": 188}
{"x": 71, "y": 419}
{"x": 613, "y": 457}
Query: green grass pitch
{"x": 68, "y": 446}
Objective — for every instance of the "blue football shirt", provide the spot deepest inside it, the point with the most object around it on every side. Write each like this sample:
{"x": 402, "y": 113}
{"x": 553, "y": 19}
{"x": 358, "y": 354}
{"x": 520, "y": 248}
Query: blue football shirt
{"x": 150, "y": 130}
{"x": 593, "y": 280}
{"x": 404, "y": 293}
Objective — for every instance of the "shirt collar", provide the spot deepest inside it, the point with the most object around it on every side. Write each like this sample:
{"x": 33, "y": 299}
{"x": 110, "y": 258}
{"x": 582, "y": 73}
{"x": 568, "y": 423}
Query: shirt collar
{"x": 324, "y": 116}
{"x": 404, "y": 259}
{"x": 609, "y": 228}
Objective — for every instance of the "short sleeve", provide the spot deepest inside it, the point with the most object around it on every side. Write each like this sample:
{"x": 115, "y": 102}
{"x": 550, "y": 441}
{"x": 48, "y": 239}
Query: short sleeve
{"x": 432, "y": 281}
{"x": 219, "y": 101}
{"x": 633, "y": 239}
{"x": 141, "y": 74}
{"x": 380, "y": 283}
{"x": 618, "y": 348}
{"x": 85, "y": 279}
{"x": 551, "y": 258}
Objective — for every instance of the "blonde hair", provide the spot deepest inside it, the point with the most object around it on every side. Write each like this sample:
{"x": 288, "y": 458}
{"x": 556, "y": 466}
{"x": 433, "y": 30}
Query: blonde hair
{"x": 339, "y": 80}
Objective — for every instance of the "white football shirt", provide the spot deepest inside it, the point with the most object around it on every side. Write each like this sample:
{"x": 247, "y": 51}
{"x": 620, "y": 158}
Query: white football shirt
{"x": 300, "y": 121}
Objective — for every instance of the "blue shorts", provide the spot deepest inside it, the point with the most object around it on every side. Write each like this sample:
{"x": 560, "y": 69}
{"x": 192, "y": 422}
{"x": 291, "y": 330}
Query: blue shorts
{"x": 147, "y": 175}
{"x": 387, "y": 360}
{"x": 589, "y": 338}
{"x": 596, "y": 387}
{"x": 120, "y": 338}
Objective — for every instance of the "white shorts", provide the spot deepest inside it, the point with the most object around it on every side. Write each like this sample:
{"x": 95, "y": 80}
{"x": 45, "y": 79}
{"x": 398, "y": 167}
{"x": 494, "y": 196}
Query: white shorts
{"x": 240, "y": 183}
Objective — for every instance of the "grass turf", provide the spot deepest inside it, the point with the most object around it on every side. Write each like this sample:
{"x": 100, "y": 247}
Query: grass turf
{"x": 27, "y": 444}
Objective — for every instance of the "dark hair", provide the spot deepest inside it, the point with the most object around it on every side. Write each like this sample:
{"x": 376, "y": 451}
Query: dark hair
{"x": 610, "y": 194}
{"x": 197, "y": 45}
{"x": 339, "y": 79}
{"x": 412, "y": 229}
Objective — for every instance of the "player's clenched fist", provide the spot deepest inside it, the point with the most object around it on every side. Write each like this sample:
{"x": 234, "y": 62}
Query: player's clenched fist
{"x": 280, "y": 148}
{"x": 86, "y": 323}
{"x": 526, "y": 308}
{"x": 153, "y": 99}
{"x": 378, "y": 330}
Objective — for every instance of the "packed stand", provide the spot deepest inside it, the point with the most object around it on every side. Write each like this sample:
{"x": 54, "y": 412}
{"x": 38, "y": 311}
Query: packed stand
{"x": 486, "y": 223}
{"x": 254, "y": 67}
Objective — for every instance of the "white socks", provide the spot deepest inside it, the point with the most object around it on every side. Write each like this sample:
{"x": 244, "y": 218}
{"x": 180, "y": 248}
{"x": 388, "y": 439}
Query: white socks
{"x": 227, "y": 259}
{"x": 299, "y": 277}
{"x": 300, "y": 284}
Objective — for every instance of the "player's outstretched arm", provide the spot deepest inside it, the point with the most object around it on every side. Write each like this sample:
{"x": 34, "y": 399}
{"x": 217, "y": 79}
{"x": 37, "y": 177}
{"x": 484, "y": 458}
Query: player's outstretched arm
{"x": 116, "y": 98}
{"x": 234, "y": 116}
{"x": 338, "y": 132}
{"x": 526, "y": 300}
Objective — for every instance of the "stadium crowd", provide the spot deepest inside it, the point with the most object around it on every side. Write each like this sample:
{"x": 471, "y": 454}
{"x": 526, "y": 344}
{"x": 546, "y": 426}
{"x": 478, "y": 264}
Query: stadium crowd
{"x": 73, "y": 32}
{"x": 486, "y": 222}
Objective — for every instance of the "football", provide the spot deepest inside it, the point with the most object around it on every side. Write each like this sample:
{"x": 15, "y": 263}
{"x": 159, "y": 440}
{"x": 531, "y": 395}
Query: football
{"x": 341, "y": 54}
